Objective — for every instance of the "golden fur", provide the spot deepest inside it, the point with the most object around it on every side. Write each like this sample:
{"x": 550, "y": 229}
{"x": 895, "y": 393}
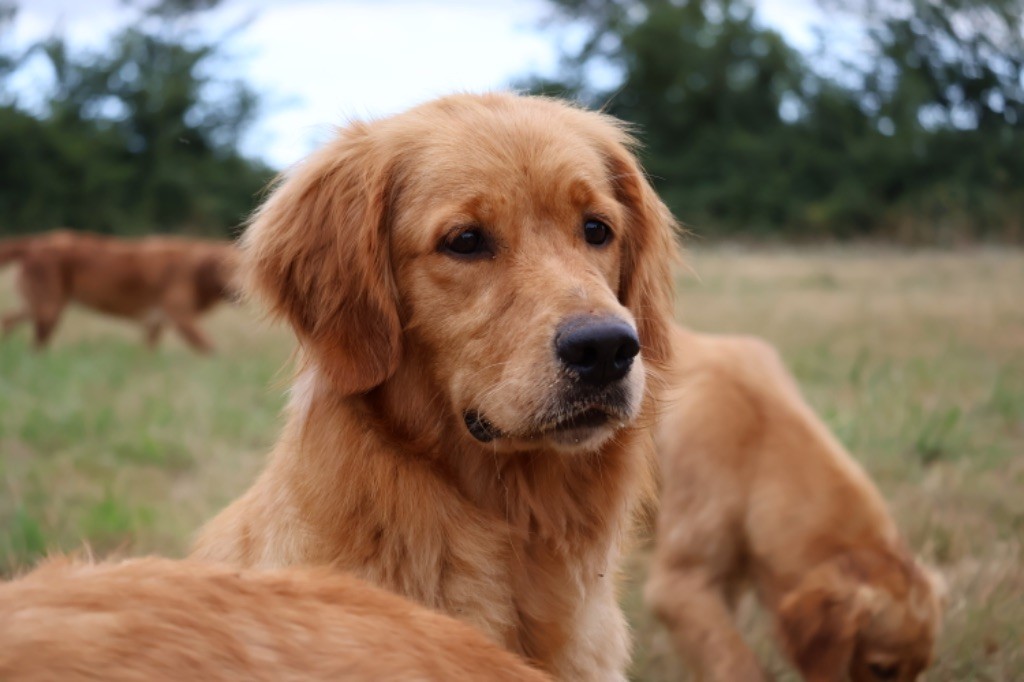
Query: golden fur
{"x": 405, "y": 345}
{"x": 155, "y": 280}
{"x": 150, "y": 619}
{"x": 756, "y": 490}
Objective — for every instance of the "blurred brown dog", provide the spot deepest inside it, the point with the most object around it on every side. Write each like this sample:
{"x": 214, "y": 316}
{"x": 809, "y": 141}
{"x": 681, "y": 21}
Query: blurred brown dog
{"x": 757, "y": 491}
{"x": 152, "y": 619}
{"x": 155, "y": 280}
{"x": 482, "y": 291}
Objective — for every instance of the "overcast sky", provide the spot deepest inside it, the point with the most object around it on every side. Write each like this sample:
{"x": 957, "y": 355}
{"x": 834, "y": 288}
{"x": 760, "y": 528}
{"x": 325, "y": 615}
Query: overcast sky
{"x": 322, "y": 62}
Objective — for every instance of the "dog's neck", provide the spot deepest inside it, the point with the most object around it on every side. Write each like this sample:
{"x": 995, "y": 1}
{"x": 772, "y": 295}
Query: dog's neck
{"x": 490, "y": 475}
{"x": 410, "y": 423}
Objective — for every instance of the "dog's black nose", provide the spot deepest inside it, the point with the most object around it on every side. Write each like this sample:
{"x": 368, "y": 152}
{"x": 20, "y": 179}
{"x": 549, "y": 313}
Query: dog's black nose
{"x": 598, "y": 350}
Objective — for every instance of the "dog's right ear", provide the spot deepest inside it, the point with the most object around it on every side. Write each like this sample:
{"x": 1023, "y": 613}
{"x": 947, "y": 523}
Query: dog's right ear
{"x": 647, "y": 286}
{"x": 818, "y": 623}
{"x": 316, "y": 253}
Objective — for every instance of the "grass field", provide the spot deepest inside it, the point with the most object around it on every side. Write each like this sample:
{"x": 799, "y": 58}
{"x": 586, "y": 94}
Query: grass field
{"x": 916, "y": 360}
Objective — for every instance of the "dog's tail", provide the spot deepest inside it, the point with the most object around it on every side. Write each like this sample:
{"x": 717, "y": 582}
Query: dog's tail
{"x": 13, "y": 249}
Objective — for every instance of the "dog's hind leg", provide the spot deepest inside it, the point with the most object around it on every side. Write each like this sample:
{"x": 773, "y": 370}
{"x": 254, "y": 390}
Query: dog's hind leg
{"x": 44, "y": 327}
{"x": 192, "y": 334}
{"x": 45, "y": 324}
{"x": 153, "y": 325}
{"x": 179, "y": 306}
{"x": 153, "y": 333}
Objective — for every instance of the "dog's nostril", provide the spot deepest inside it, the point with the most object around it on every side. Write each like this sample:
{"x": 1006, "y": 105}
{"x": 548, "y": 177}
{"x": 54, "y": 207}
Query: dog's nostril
{"x": 628, "y": 350}
{"x": 598, "y": 350}
{"x": 578, "y": 354}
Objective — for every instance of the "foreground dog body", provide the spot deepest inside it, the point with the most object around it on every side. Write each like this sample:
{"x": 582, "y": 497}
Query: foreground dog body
{"x": 470, "y": 282}
{"x": 149, "y": 619}
{"x": 155, "y": 280}
{"x": 757, "y": 491}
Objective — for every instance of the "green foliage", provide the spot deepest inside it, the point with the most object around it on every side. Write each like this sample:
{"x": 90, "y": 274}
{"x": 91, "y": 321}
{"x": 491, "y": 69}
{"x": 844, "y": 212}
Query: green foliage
{"x": 134, "y": 138}
{"x": 933, "y": 441}
{"x": 109, "y": 523}
{"x": 24, "y": 540}
{"x": 921, "y": 141}
{"x": 1007, "y": 399}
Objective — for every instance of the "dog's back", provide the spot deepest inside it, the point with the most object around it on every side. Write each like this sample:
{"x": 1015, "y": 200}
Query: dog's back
{"x": 149, "y": 619}
{"x": 789, "y": 476}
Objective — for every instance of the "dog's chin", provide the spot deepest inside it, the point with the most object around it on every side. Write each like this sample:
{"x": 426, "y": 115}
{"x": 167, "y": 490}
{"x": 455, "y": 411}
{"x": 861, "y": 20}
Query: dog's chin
{"x": 581, "y": 439}
{"x": 584, "y": 431}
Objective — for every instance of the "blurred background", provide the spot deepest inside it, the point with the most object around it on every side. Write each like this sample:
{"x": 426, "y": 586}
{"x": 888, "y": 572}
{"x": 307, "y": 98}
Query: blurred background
{"x": 774, "y": 119}
{"x": 851, "y": 173}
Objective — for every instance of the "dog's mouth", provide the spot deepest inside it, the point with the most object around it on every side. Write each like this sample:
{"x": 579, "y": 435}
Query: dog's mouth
{"x": 479, "y": 426}
{"x": 571, "y": 428}
{"x": 590, "y": 418}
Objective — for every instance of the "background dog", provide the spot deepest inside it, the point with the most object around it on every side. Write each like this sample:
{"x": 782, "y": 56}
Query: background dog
{"x": 150, "y": 619}
{"x": 155, "y": 280}
{"x": 756, "y": 490}
{"x": 481, "y": 287}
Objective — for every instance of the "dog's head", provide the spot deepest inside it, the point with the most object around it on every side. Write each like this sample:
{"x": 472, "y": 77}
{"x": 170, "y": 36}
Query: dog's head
{"x": 509, "y": 250}
{"x": 866, "y": 617}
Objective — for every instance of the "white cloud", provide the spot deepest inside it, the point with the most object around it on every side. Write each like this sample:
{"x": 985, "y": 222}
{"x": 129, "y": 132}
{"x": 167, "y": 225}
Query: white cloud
{"x": 344, "y": 60}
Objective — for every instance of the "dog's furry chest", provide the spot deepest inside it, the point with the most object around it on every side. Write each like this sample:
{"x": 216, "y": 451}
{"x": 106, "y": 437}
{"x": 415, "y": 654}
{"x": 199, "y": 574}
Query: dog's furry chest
{"x": 525, "y": 594}
{"x": 527, "y": 556}
{"x": 501, "y": 572}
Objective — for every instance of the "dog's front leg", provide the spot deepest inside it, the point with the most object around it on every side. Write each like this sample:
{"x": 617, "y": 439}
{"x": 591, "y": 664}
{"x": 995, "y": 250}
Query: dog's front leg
{"x": 694, "y": 609}
{"x": 599, "y": 645}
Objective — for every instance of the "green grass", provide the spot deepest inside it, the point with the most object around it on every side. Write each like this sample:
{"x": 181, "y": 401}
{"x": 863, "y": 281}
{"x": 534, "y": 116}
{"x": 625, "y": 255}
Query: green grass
{"x": 106, "y": 443}
{"x": 915, "y": 360}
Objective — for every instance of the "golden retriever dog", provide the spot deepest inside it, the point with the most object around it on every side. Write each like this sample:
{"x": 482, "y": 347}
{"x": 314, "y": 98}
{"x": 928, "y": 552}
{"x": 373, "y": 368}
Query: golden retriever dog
{"x": 153, "y": 619}
{"x": 756, "y": 491}
{"x": 155, "y": 280}
{"x": 481, "y": 288}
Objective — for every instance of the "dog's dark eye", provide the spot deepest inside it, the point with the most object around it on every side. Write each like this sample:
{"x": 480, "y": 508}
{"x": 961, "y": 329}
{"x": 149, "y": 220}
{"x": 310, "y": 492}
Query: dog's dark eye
{"x": 884, "y": 671}
{"x": 469, "y": 242}
{"x": 596, "y": 232}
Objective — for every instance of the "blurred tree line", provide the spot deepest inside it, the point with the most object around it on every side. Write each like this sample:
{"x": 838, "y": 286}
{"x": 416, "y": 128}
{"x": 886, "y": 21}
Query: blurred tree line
{"x": 906, "y": 123}
{"x": 139, "y": 136}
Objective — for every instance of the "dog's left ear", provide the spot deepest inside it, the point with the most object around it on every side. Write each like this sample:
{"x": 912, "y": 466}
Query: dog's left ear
{"x": 316, "y": 253}
{"x": 646, "y": 284}
{"x": 818, "y": 623}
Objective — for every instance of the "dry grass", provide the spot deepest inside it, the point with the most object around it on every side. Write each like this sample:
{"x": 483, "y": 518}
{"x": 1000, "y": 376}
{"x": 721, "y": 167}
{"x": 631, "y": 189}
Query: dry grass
{"x": 915, "y": 360}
